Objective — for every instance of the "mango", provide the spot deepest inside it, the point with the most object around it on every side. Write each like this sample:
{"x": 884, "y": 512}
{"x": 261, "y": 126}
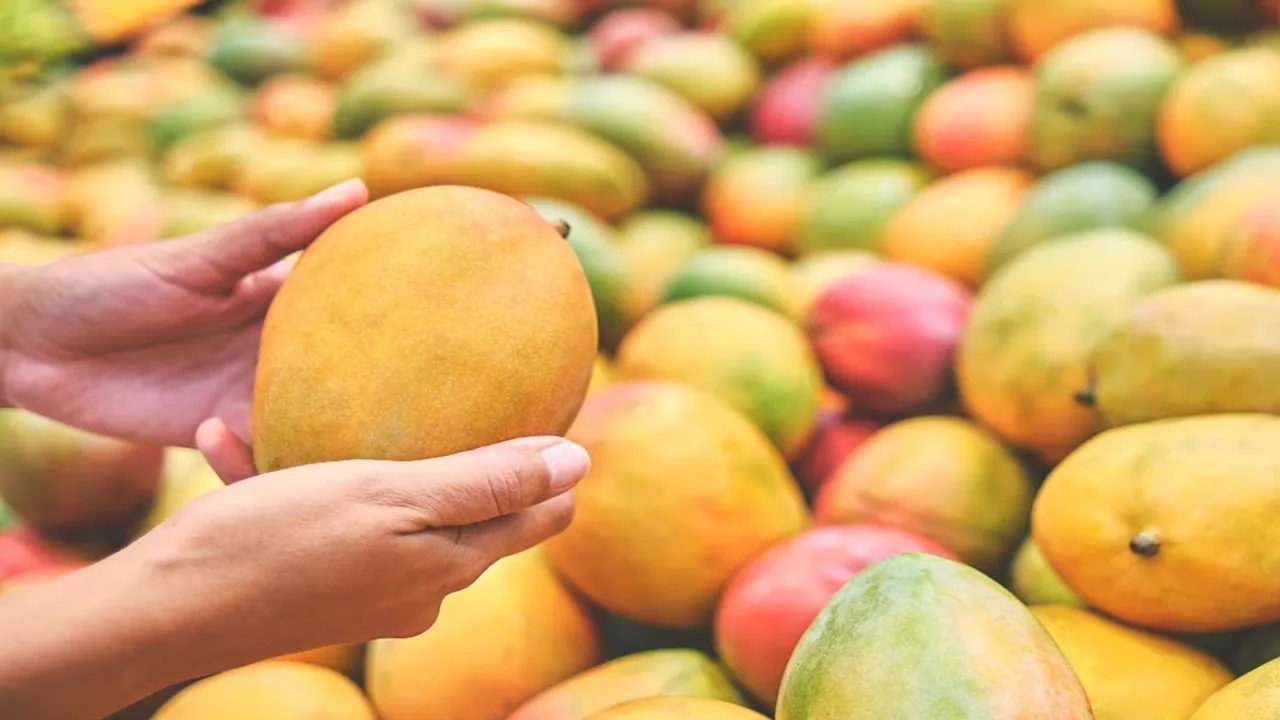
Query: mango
{"x": 836, "y": 436}
{"x": 356, "y": 33}
{"x": 657, "y": 535}
{"x": 377, "y": 93}
{"x": 595, "y": 243}
{"x": 543, "y": 158}
{"x": 488, "y": 53}
{"x": 346, "y": 659}
{"x": 759, "y": 196}
{"x": 251, "y": 50}
{"x": 185, "y": 212}
{"x": 1221, "y": 105}
{"x": 37, "y": 117}
{"x": 774, "y": 599}
{"x": 945, "y": 478}
{"x": 271, "y": 690}
{"x": 746, "y": 273}
{"x": 1097, "y": 96}
{"x": 655, "y": 244}
{"x": 986, "y": 656}
{"x": 112, "y": 202}
{"x": 411, "y": 151}
{"x": 843, "y": 30}
{"x": 709, "y": 70}
{"x": 510, "y": 635}
{"x": 773, "y": 30}
{"x": 923, "y": 232}
{"x": 283, "y": 169}
{"x": 677, "y": 708}
{"x": 651, "y": 674}
{"x": 310, "y": 335}
{"x": 1089, "y": 196}
{"x": 1036, "y": 583}
{"x": 601, "y": 374}
{"x": 61, "y": 479}
{"x": 849, "y": 207}
{"x": 886, "y": 336}
{"x": 1131, "y": 674}
{"x": 978, "y": 119}
{"x": 1035, "y": 27}
{"x": 32, "y": 196}
{"x": 1201, "y": 348}
{"x": 447, "y": 13}
{"x": 295, "y": 105}
{"x": 1133, "y": 521}
{"x": 619, "y": 32}
{"x": 967, "y": 33}
{"x": 785, "y": 111}
{"x": 1035, "y": 324}
{"x": 1256, "y": 694}
{"x": 754, "y": 359}
{"x": 219, "y": 106}
{"x": 22, "y": 247}
{"x": 209, "y": 159}
{"x": 1252, "y": 251}
{"x": 868, "y": 105}
{"x": 816, "y": 272}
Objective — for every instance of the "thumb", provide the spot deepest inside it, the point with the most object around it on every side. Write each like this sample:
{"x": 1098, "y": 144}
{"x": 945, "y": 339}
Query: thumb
{"x": 216, "y": 260}
{"x": 486, "y": 483}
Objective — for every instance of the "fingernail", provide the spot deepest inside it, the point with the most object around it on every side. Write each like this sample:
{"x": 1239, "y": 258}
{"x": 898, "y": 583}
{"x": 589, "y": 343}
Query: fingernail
{"x": 568, "y": 463}
{"x": 336, "y": 193}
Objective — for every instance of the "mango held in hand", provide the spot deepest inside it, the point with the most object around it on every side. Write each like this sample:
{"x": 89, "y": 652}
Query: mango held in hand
{"x": 423, "y": 324}
{"x": 919, "y": 636}
{"x": 1203, "y": 347}
{"x": 1170, "y": 524}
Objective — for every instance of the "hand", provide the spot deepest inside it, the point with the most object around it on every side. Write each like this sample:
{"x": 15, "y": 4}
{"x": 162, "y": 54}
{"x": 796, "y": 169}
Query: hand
{"x": 147, "y": 341}
{"x": 346, "y": 552}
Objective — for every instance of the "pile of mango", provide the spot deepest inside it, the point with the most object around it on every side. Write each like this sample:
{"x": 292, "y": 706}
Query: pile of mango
{"x": 936, "y": 340}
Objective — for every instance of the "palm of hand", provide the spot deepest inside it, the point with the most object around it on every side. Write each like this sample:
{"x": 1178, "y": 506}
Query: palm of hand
{"x": 146, "y": 342}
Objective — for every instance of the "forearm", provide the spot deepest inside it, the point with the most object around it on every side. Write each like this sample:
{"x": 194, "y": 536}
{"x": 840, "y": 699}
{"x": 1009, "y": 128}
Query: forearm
{"x": 89, "y": 643}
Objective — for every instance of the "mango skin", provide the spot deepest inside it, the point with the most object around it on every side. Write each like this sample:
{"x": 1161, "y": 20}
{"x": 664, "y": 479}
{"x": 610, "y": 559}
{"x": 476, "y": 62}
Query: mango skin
{"x": 920, "y": 636}
{"x": 1035, "y": 582}
{"x": 268, "y": 691}
{"x": 672, "y": 708}
{"x": 683, "y": 491}
{"x": 1254, "y": 695}
{"x": 545, "y": 158}
{"x": 1133, "y": 520}
{"x": 433, "y": 376}
{"x": 755, "y": 359}
{"x": 650, "y": 674}
{"x": 656, "y": 243}
{"x": 1131, "y": 674}
{"x": 1196, "y": 349}
{"x": 945, "y": 478}
{"x": 1035, "y": 325}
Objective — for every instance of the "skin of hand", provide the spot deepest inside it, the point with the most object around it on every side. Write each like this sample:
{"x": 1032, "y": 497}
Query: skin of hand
{"x": 147, "y": 341}
{"x": 340, "y": 552}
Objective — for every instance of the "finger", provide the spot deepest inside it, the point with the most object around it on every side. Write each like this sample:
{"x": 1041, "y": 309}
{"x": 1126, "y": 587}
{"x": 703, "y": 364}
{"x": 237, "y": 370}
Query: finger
{"x": 217, "y": 260}
{"x": 479, "y": 485}
{"x": 228, "y": 455}
{"x": 510, "y": 534}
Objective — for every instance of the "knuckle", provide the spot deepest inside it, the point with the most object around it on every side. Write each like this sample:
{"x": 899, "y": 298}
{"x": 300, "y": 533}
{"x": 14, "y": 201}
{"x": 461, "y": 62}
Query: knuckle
{"x": 506, "y": 484}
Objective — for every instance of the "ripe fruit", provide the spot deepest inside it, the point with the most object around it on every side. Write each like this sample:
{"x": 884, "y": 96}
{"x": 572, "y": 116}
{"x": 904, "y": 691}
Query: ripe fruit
{"x": 272, "y": 690}
{"x": 979, "y": 119}
{"x": 1250, "y": 696}
{"x": 885, "y": 336}
{"x": 1035, "y": 582}
{"x": 319, "y": 352}
{"x": 747, "y": 273}
{"x": 1037, "y": 26}
{"x": 616, "y": 35}
{"x": 861, "y": 658}
{"x": 785, "y": 110}
{"x": 835, "y": 437}
{"x": 774, "y": 599}
{"x": 945, "y": 478}
{"x": 758, "y": 197}
{"x": 849, "y": 207}
{"x": 677, "y": 708}
{"x": 658, "y": 533}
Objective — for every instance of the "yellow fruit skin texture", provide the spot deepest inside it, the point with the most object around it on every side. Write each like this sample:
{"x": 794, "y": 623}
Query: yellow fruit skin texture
{"x": 945, "y": 478}
{"x": 753, "y": 358}
{"x": 1035, "y": 26}
{"x": 1170, "y": 524}
{"x": 273, "y": 690}
{"x": 492, "y": 52}
{"x": 1205, "y": 347}
{"x": 1254, "y": 695}
{"x": 394, "y": 336}
{"x": 683, "y": 491}
{"x": 512, "y": 634}
{"x": 677, "y": 708}
{"x": 1131, "y": 674}
{"x": 672, "y": 673}
{"x": 1036, "y": 583}
{"x": 527, "y": 158}
{"x": 1035, "y": 325}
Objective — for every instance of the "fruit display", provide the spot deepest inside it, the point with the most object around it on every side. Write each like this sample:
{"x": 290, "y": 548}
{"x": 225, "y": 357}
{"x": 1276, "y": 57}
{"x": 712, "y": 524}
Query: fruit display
{"x": 922, "y": 348}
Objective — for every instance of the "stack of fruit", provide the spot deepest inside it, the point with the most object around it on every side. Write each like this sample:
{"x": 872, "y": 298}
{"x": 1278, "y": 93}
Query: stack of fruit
{"x": 934, "y": 345}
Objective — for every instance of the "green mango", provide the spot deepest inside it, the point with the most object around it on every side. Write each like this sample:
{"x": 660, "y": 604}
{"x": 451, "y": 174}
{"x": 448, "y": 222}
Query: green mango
{"x": 920, "y": 636}
{"x": 249, "y": 50}
{"x": 850, "y": 206}
{"x": 379, "y": 92}
{"x": 219, "y": 106}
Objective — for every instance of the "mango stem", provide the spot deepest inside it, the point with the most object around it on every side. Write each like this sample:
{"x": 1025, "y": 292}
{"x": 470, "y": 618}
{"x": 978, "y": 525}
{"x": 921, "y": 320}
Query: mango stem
{"x": 1145, "y": 543}
{"x": 561, "y": 227}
